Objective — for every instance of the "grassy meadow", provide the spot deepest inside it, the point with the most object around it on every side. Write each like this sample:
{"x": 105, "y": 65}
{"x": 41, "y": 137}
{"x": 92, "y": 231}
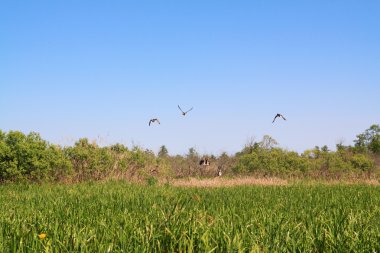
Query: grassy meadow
{"x": 116, "y": 216}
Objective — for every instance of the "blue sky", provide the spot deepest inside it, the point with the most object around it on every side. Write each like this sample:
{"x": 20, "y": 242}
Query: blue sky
{"x": 102, "y": 69}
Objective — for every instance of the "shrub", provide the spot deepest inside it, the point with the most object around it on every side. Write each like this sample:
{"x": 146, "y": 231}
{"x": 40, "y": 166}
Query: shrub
{"x": 29, "y": 157}
{"x": 362, "y": 162}
{"x": 90, "y": 161}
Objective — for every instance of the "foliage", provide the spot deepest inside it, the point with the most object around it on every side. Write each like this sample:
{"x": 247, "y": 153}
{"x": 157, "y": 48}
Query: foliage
{"x": 163, "y": 152}
{"x": 271, "y": 161}
{"x": 89, "y": 160}
{"x": 193, "y": 153}
{"x": 29, "y": 157}
{"x": 369, "y": 140}
{"x": 119, "y": 148}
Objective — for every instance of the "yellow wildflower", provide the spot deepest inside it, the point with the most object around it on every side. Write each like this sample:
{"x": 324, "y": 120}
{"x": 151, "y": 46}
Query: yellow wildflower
{"x": 42, "y": 236}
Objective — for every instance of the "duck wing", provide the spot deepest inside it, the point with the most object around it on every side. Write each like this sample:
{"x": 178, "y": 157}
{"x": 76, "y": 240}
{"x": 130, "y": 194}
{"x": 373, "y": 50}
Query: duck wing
{"x": 180, "y": 109}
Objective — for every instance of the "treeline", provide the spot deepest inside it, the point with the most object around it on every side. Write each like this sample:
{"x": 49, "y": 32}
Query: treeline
{"x": 30, "y": 158}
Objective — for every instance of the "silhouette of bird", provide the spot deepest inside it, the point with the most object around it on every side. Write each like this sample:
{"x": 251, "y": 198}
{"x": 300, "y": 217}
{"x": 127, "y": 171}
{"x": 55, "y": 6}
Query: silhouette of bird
{"x": 154, "y": 120}
{"x": 184, "y": 113}
{"x": 278, "y": 115}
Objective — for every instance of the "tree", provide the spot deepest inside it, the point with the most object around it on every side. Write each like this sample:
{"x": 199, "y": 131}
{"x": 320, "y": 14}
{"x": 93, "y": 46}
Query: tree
{"x": 250, "y": 146}
{"x": 268, "y": 142}
{"x": 119, "y": 148}
{"x": 369, "y": 140}
{"x": 192, "y": 153}
{"x": 325, "y": 149}
{"x": 163, "y": 152}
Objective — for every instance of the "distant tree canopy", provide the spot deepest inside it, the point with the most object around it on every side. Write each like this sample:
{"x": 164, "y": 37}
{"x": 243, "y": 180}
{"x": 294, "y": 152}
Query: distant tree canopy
{"x": 192, "y": 153}
{"x": 369, "y": 140}
{"x": 163, "y": 152}
{"x": 29, "y": 157}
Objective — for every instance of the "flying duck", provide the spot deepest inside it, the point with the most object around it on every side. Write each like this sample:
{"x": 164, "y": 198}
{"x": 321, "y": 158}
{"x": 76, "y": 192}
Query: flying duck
{"x": 154, "y": 120}
{"x": 184, "y": 113}
{"x": 278, "y": 115}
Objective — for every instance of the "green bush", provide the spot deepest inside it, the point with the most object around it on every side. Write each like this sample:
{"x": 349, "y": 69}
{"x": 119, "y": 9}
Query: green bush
{"x": 247, "y": 163}
{"x": 273, "y": 161}
{"x": 29, "y": 157}
{"x": 276, "y": 161}
{"x": 362, "y": 162}
{"x": 90, "y": 161}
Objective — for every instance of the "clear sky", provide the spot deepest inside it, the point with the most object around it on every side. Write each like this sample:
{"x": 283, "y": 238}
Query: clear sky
{"x": 102, "y": 69}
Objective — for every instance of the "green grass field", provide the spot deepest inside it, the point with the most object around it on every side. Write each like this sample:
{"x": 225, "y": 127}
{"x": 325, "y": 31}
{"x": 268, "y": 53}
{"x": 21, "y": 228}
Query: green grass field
{"x": 120, "y": 217}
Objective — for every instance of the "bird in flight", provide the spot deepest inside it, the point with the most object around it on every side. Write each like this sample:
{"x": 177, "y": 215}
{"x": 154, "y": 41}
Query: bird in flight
{"x": 278, "y": 115}
{"x": 154, "y": 120}
{"x": 184, "y": 113}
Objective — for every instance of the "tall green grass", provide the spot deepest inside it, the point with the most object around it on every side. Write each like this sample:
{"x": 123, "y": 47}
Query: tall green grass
{"x": 120, "y": 217}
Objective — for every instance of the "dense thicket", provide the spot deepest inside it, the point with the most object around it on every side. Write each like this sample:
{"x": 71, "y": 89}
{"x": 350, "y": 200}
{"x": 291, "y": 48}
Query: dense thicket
{"x": 29, "y": 157}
